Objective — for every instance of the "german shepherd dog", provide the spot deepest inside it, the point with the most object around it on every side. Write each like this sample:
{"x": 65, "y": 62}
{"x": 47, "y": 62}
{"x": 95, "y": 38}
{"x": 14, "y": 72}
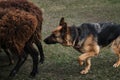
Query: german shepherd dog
{"x": 87, "y": 38}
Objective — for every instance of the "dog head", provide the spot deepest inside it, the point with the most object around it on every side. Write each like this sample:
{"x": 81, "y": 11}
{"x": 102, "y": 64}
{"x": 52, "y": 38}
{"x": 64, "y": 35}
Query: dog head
{"x": 60, "y": 35}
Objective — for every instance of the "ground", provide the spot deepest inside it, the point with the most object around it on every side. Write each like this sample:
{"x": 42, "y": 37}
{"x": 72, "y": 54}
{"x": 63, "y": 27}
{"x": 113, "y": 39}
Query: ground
{"x": 61, "y": 62}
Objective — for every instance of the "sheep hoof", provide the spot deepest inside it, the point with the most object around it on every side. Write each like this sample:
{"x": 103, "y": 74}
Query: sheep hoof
{"x": 32, "y": 75}
{"x": 41, "y": 61}
{"x": 12, "y": 74}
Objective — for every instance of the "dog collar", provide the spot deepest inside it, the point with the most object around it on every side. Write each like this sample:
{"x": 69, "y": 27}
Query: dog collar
{"x": 74, "y": 34}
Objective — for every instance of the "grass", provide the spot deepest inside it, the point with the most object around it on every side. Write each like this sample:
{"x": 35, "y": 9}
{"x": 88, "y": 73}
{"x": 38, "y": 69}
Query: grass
{"x": 61, "y": 62}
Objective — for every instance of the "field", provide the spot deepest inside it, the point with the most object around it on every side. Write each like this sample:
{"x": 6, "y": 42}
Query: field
{"x": 61, "y": 62}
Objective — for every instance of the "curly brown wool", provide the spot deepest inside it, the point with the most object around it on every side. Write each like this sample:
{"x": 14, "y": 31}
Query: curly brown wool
{"x": 28, "y": 7}
{"x": 16, "y": 29}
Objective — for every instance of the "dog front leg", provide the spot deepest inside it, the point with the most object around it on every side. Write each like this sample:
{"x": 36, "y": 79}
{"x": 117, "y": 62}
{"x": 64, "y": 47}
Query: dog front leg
{"x": 116, "y": 49}
{"x": 86, "y": 57}
{"x": 87, "y": 68}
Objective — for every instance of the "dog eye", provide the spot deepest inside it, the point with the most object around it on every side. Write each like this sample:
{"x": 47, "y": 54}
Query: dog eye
{"x": 53, "y": 35}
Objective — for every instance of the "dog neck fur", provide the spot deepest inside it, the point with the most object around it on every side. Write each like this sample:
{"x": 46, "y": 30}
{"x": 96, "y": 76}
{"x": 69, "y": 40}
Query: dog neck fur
{"x": 74, "y": 34}
{"x": 68, "y": 37}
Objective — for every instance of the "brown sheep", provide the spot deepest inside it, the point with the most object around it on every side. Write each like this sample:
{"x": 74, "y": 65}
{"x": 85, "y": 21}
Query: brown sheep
{"x": 33, "y": 9}
{"x": 19, "y": 30}
{"x": 16, "y": 30}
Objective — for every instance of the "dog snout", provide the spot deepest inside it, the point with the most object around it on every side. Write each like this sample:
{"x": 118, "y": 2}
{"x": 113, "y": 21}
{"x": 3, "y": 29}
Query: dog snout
{"x": 50, "y": 40}
{"x": 46, "y": 41}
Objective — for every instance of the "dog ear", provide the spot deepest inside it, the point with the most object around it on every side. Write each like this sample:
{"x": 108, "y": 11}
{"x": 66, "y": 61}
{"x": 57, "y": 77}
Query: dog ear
{"x": 62, "y": 21}
{"x": 63, "y": 24}
{"x": 64, "y": 28}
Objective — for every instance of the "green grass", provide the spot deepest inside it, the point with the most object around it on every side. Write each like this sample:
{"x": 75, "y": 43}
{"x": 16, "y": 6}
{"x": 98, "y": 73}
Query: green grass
{"x": 61, "y": 62}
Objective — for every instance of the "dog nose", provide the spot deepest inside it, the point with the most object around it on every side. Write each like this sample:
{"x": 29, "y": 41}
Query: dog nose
{"x": 45, "y": 40}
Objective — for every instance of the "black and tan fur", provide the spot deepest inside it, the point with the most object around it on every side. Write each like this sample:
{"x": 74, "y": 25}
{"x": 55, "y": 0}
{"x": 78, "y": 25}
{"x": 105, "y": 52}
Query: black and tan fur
{"x": 87, "y": 38}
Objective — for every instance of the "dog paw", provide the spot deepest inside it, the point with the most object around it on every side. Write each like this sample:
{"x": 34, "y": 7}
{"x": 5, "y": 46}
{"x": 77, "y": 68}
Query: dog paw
{"x": 84, "y": 72}
{"x": 116, "y": 65}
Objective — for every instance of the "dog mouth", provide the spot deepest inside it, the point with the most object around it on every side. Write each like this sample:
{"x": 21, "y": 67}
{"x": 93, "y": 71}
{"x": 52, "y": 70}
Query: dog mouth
{"x": 66, "y": 44}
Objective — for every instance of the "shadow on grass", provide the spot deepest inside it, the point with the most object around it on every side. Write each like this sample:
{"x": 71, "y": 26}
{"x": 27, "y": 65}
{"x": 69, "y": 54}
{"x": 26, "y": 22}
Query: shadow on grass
{"x": 67, "y": 70}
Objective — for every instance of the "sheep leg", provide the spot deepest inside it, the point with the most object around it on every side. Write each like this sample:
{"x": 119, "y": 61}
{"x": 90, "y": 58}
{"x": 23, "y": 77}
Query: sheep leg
{"x": 20, "y": 62}
{"x": 34, "y": 55}
{"x": 9, "y": 56}
{"x": 39, "y": 45}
